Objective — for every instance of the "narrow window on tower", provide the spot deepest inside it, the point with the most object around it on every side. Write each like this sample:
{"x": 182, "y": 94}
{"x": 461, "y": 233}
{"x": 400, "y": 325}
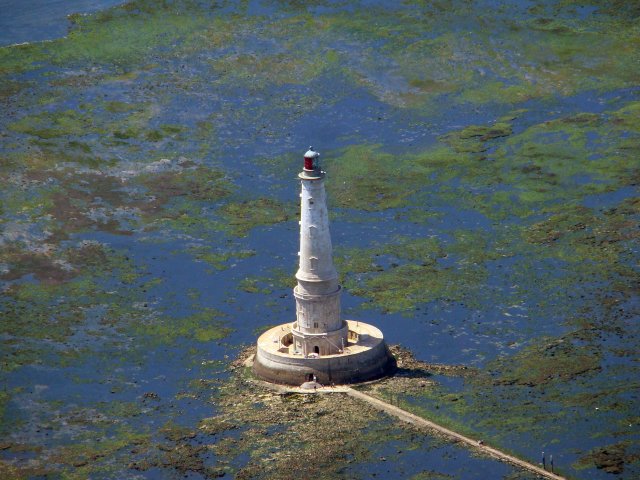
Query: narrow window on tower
{"x": 313, "y": 261}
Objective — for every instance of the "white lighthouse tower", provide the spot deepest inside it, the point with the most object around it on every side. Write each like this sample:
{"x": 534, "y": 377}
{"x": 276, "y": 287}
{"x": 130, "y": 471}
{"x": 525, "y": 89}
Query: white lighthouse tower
{"x": 319, "y": 345}
{"x": 318, "y": 329}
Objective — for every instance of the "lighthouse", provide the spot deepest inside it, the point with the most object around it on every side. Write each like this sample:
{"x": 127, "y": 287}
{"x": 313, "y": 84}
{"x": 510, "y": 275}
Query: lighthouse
{"x": 318, "y": 329}
{"x": 319, "y": 345}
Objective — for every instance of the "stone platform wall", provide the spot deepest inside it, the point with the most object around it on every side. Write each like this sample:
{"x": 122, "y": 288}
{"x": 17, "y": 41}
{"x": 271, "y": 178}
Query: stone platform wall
{"x": 338, "y": 369}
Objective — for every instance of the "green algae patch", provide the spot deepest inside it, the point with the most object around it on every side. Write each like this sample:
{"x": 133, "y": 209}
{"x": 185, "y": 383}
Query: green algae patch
{"x": 19, "y": 472}
{"x": 174, "y": 432}
{"x": 559, "y": 360}
{"x": 588, "y": 239}
{"x": 430, "y": 475}
{"x": 252, "y": 285}
{"x": 116, "y": 410}
{"x": 164, "y": 131}
{"x": 216, "y": 425}
{"x": 548, "y": 184}
{"x": 180, "y": 218}
{"x": 177, "y": 198}
{"x": 119, "y": 119}
{"x": 5, "y": 398}
{"x": 530, "y": 387}
{"x": 184, "y": 458}
{"x": 473, "y": 139}
{"x": 201, "y": 182}
{"x": 416, "y": 59}
{"x": 20, "y": 355}
{"x": 91, "y": 457}
{"x": 403, "y": 287}
{"x": 240, "y": 217}
{"x": 415, "y": 273}
{"x": 52, "y": 125}
{"x": 553, "y": 55}
{"x": 236, "y": 218}
{"x": 204, "y": 326}
{"x": 611, "y": 458}
{"x": 481, "y": 409}
{"x": 39, "y": 310}
{"x": 552, "y": 165}
{"x": 265, "y": 70}
{"x": 219, "y": 259}
{"x": 366, "y": 178}
{"x": 567, "y": 158}
{"x": 31, "y": 316}
{"x": 120, "y": 37}
{"x": 281, "y": 278}
{"x": 288, "y": 64}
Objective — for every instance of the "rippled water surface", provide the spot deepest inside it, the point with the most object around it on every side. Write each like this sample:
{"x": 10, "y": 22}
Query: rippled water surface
{"x": 482, "y": 180}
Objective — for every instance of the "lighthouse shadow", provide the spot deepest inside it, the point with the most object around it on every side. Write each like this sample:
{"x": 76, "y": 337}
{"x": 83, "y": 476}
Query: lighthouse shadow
{"x": 413, "y": 372}
{"x": 407, "y": 366}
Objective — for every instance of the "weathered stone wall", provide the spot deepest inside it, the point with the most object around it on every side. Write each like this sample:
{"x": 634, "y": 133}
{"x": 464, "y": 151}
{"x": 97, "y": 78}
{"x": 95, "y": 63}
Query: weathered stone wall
{"x": 316, "y": 262}
{"x": 328, "y": 343}
{"x": 339, "y": 369}
{"x": 318, "y": 313}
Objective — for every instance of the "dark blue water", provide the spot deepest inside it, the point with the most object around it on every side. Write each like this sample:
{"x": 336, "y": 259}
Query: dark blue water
{"x": 36, "y": 20}
{"x": 261, "y": 125}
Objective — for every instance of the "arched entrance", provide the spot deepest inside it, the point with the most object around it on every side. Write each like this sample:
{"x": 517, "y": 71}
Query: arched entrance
{"x": 316, "y": 349}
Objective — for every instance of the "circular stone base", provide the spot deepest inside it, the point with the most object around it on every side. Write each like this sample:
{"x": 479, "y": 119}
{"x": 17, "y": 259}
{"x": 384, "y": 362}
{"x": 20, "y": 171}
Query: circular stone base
{"x": 366, "y": 357}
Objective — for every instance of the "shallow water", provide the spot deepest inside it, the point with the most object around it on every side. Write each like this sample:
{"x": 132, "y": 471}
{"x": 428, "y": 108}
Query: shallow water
{"x": 484, "y": 210}
{"x": 35, "y": 20}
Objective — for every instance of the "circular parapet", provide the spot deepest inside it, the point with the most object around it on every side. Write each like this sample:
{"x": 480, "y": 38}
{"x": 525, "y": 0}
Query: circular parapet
{"x": 365, "y": 357}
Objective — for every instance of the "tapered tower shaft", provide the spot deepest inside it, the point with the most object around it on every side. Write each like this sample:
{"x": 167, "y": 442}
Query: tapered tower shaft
{"x": 318, "y": 328}
{"x": 319, "y": 346}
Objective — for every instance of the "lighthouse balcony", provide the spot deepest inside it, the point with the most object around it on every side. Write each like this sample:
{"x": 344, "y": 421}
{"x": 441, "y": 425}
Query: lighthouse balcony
{"x": 297, "y": 331}
{"x": 317, "y": 291}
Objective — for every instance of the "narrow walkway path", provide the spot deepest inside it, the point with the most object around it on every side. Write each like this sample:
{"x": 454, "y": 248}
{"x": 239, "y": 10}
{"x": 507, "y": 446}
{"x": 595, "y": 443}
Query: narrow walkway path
{"x": 414, "y": 420}
{"x": 421, "y": 422}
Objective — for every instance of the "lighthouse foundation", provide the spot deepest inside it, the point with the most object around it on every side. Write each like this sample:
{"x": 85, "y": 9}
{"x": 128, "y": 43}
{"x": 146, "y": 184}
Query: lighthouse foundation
{"x": 319, "y": 345}
{"x": 365, "y": 357}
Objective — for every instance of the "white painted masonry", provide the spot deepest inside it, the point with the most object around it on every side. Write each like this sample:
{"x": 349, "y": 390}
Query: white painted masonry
{"x": 319, "y": 344}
